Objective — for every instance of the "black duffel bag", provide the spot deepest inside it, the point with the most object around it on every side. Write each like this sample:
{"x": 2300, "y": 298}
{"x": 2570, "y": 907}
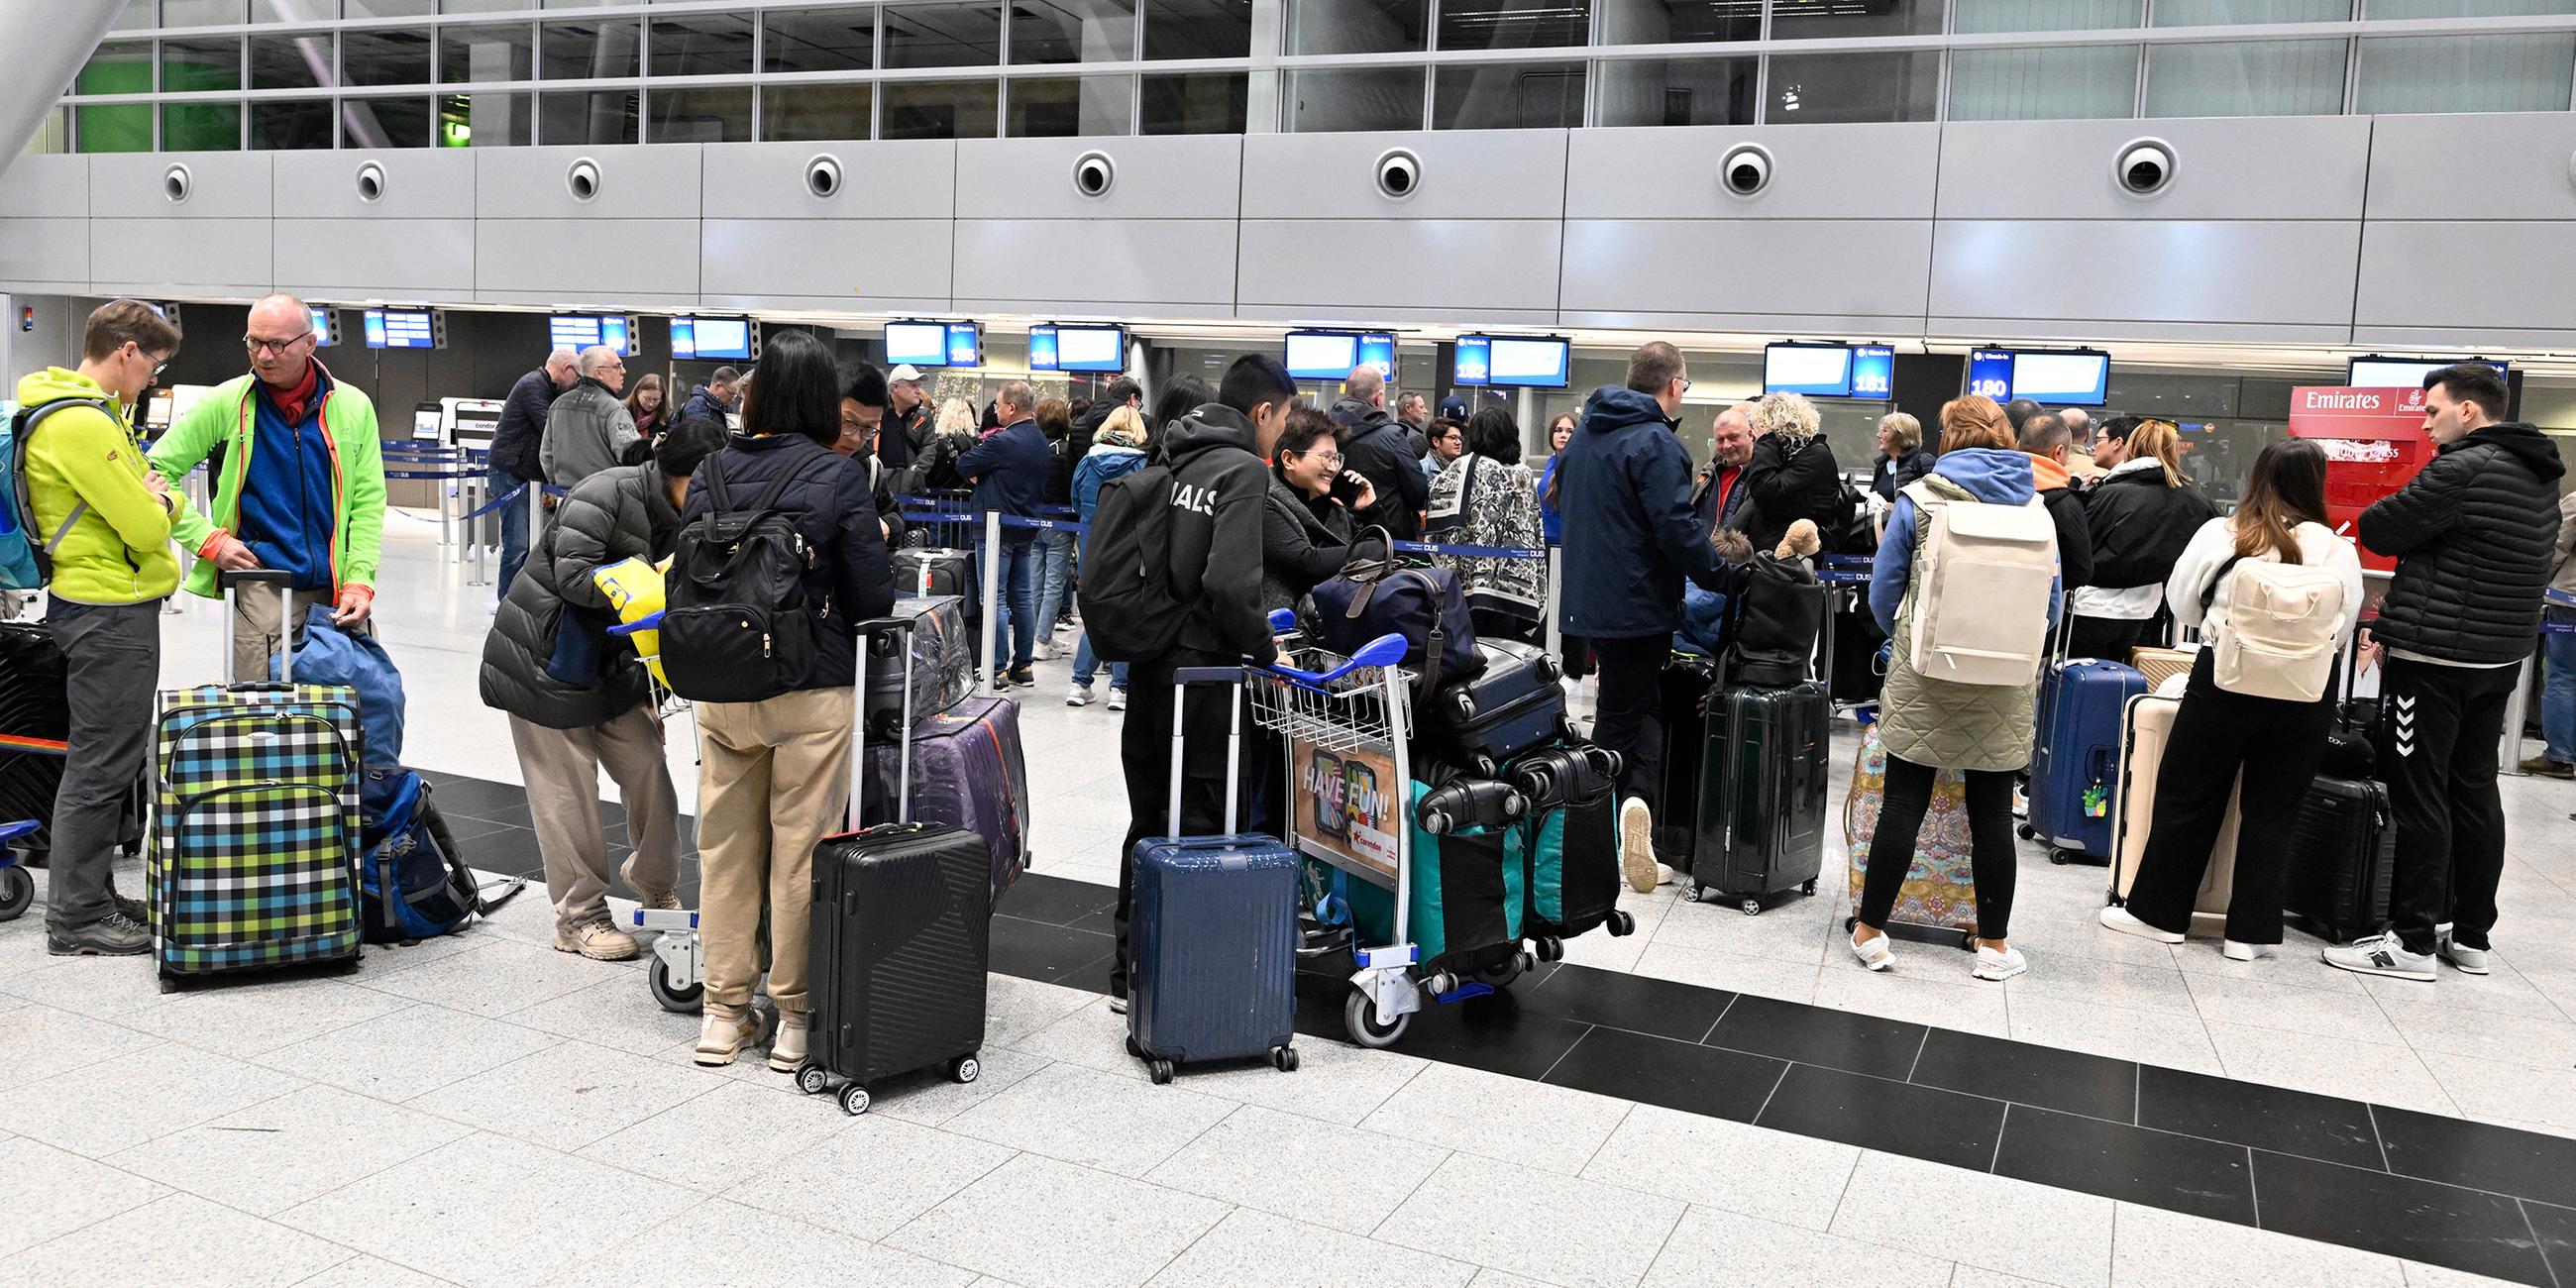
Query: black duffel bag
{"x": 1370, "y": 598}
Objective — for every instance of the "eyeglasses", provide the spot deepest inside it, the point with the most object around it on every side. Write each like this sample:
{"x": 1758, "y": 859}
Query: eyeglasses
{"x": 1686, "y": 386}
{"x": 1329, "y": 458}
{"x": 256, "y": 346}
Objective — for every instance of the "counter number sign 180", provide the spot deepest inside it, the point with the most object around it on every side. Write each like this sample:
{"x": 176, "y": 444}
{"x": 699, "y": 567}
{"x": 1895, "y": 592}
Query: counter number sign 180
{"x": 1990, "y": 373}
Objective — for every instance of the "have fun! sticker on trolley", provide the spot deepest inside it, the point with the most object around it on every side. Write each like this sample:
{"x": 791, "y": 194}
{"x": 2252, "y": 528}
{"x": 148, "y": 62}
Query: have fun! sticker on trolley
{"x": 1345, "y": 813}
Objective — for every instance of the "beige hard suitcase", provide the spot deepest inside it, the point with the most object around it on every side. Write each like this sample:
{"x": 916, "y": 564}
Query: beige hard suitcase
{"x": 2144, "y": 727}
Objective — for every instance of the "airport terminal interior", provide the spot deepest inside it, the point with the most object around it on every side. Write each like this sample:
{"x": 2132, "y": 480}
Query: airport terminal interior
{"x": 2252, "y": 221}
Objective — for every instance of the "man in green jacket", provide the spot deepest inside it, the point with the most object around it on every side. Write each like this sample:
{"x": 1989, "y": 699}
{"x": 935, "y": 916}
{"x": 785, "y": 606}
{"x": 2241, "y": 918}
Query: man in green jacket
{"x": 301, "y": 487}
{"x": 111, "y": 567}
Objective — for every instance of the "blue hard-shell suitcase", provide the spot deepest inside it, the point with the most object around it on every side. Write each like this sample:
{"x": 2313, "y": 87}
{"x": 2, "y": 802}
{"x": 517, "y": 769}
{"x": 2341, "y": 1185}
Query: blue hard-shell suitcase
{"x": 2075, "y": 767}
{"x": 1213, "y": 930}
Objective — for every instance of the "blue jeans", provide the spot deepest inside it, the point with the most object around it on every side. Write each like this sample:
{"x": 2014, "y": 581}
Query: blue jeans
{"x": 1086, "y": 664}
{"x": 2558, "y": 698}
{"x": 1055, "y": 565}
{"x": 1018, "y": 578}
{"x": 513, "y": 517}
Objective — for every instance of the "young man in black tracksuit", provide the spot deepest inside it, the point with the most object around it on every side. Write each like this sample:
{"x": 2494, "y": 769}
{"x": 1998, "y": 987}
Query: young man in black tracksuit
{"x": 2475, "y": 537}
{"x": 1218, "y": 482}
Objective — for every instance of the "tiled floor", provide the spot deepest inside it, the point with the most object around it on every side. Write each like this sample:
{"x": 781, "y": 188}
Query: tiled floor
{"x": 480, "y": 1109}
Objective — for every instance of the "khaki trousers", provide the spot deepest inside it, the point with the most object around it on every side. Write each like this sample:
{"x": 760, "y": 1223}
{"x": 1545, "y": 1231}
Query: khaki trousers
{"x": 773, "y": 778}
{"x": 562, "y": 769}
{"x": 257, "y": 617}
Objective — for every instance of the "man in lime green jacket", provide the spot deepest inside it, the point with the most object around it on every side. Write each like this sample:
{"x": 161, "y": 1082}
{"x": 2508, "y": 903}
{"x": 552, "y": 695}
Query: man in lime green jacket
{"x": 111, "y": 567}
{"x": 301, "y": 487}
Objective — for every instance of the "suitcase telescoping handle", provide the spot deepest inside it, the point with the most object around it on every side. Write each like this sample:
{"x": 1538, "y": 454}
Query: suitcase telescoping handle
{"x": 863, "y": 634}
{"x": 1182, "y": 679}
{"x": 230, "y": 581}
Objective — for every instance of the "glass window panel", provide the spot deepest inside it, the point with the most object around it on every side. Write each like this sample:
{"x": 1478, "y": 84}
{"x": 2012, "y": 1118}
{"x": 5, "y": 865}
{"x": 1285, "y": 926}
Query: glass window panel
{"x": 388, "y": 8}
{"x": 201, "y": 127}
{"x": 200, "y": 13}
{"x": 117, "y": 67}
{"x": 484, "y": 6}
{"x": 943, "y": 35}
{"x": 815, "y": 111}
{"x": 1196, "y": 103}
{"x": 1970, "y": 17}
{"x": 385, "y": 57}
{"x": 2221, "y": 13}
{"x": 294, "y": 11}
{"x": 1352, "y": 98}
{"x": 1514, "y": 24}
{"x": 385, "y": 122}
{"x": 1073, "y": 31}
{"x": 1358, "y": 26}
{"x": 488, "y": 119}
{"x": 940, "y": 109}
{"x": 505, "y": 52}
{"x": 300, "y": 61}
{"x": 1835, "y": 19}
{"x": 602, "y": 116}
{"x": 707, "y": 44}
{"x": 1198, "y": 28}
{"x": 137, "y": 15}
{"x": 1832, "y": 88}
{"x": 201, "y": 64}
{"x": 2464, "y": 8}
{"x": 123, "y": 128}
{"x": 1063, "y": 107}
{"x": 819, "y": 40}
{"x": 587, "y": 50}
{"x": 2250, "y": 78}
{"x": 1507, "y": 96}
{"x": 710, "y": 115}
{"x": 2524, "y": 72}
{"x": 1698, "y": 91}
{"x": 2090, "y": 81}
{"x": 1656, "y": 22}
{"x": 53, "y": 132}
{"x": 281, "y": 124}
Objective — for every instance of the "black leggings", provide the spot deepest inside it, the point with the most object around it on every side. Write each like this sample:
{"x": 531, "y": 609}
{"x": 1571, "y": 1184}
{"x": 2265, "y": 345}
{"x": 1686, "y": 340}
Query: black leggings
{"x": 1992, "y": 855}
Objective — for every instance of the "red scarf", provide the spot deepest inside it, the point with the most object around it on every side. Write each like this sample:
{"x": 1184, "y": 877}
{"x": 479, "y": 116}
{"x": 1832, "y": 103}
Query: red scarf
{"x": 292, "y": 402}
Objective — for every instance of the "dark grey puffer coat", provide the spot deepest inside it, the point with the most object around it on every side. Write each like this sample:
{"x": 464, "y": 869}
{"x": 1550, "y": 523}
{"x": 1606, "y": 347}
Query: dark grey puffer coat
{"x": 620, "y": 513}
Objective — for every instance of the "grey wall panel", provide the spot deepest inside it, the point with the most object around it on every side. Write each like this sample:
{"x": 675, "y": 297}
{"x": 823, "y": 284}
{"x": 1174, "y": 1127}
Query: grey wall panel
{"x": 2521, "y": 169}
{"x": 586, "y": 262}
{"x": 45, "y": 187}
{"x": 394, "y": 259}
{"x": 1466, "y": 174}
{"x": 2277, "y": 167}
{"x": 854, "y": 263}
{"x": 226, "y": 258}
{"x": 1179, "y": 261}
{"x": 2109, "y": 275}
{"x": 2532, "y": 285}
{"x": 221, "y": 185}
{"x": 905, "y": 179}
{"x": 419, "y": 183}
{"x": 1715, "y": 268}
{"x": 1468, "y": 267}
{"x": 1819, "y": 172}
{"x": 636, "y": 181}
{"x": 44, "y": 254}
{"x": 1378, "y": 315}
{"x": 1194, "y": 176}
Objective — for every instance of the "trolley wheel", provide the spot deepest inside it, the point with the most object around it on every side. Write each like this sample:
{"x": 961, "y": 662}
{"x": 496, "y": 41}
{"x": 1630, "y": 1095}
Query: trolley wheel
{"x": 1160, "y": 1071}
{"x": 673, "y": 997}
{"x": 1752, "y": 907}
{"x": 17, "y": 890}
{"x": 1808, "y": 886}
{"x": 1359, "y": 1015}
{"x": 1622, "y": 923}
{"x": 2025, "y": 831}
{"x": 965, "y": 1068}
{"x": 813, "y": 1079}
{"x": 854, "y": 1099}
{"x": 1284, "y": 1059}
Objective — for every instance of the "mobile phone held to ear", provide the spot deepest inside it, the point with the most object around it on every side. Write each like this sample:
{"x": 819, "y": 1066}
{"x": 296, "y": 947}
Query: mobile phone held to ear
{"x": 1346, "y": 489}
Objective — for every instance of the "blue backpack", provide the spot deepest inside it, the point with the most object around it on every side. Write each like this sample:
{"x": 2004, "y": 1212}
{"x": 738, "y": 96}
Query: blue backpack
{"x": 326, "y": 654}
{"x": 26, "y": 563}
{"x": 412, "y": 883}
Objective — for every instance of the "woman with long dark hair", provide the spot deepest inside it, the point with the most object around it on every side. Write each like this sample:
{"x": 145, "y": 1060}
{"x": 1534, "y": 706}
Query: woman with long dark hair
{"x": 2275, "y": 743}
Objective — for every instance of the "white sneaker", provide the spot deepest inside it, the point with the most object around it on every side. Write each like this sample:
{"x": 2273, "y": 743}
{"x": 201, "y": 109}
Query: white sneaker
{"x": 1637, "y": 845}
{"x": 1042, "y": 651}
{"x": 1078, "y": 695}
{"x": 1117, "y": 700}
{"x": 2467, "y": 960}
{"x": 1875, "y": 954}
{"x": 2127, "y": 923}
{"x": 1664, "y": 874}
{"x": 2239, "y": 952}
{"x": 2381, "y": 954}
{"x": 1998, "y": 965}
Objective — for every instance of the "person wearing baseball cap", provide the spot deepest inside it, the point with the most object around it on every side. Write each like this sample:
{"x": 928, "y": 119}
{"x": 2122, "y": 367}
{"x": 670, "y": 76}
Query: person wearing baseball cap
{"x": 1454, "y": 408}
{"x": 908, "y": 419}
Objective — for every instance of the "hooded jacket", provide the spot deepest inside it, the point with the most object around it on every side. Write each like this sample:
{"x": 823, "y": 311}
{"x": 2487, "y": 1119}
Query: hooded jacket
{"x": 850, "y": 574}
{"x": 1376, "y": 446}
{"x": 228, "y": 417}
{"x": 1788, "y": 480}
{"x": 587, "y": 430}
{"x": 1105, "y": 461}
{"x": 2475, "y": 534}
{"x": 2066, "y": 510}
{"x": 523, "y": 426}
{"x": 616, "y": 514}
{"x": 2139, "y": 525}
{"x": 118, "y": 551}
{"x": 1218, "y": 482}
{"x": 1077, "y": 449}
{"x": 1630, "y": 535}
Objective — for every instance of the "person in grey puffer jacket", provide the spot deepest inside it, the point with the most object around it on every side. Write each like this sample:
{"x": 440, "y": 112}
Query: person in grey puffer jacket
{"x": 589, "y": 429}
{"x": 578, "y": 699}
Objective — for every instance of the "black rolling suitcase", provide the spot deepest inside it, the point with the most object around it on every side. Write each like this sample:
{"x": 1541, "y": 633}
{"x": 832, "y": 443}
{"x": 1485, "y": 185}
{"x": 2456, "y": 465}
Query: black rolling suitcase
{"x": 1682, "y": 706}
{"x": 1762, "y": 793}
{"x": 2342, "y": 857}
{"x": 34, "y": 720}
{"x": 1512, "y": 705}
{"x": 902, "y": 915}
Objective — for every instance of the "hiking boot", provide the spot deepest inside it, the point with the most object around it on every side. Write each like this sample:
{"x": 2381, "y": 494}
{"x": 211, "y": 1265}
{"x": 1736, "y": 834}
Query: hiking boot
{"x": 787, "y": 1050}
{"x": 1023, "y": 678}
{"x": 130, "y": 909}
{"x": 723, "y": 1034}
{"x": 662, "y": 897}
{"x": 598, "y": 941}
{"x": 114, "y": 935}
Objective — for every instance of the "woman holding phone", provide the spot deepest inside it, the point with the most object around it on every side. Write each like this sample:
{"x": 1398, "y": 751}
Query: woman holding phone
{"x": 1307, "y": 526}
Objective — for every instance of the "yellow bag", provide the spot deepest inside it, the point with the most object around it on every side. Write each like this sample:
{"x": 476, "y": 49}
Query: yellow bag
{"x": 635, "y": 588}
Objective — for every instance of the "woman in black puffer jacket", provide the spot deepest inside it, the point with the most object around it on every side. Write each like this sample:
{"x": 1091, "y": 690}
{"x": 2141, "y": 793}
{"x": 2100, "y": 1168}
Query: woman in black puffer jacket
{"x": 1306, "y": 534}
{"x": 1792, "y": 475}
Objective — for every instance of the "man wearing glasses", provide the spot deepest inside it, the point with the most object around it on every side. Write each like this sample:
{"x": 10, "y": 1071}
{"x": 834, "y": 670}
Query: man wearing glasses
{"x": 589, "y": 428}
{"x": 301, "y": 486}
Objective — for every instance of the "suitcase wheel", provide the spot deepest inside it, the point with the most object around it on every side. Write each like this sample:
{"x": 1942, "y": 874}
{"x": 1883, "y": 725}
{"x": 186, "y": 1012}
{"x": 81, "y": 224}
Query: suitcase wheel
{"x": 1160, "y": 1071}
{"x": 1690, "y": 894}
{"x": 1551, "y": 949}
{"x": 1621, "y": 923}
{"x": 1359, "y": 1016}
{"x": 1752, "y": 905}
{"x": 684, "y": 1000}
{"x": 17, "y": 890}
{"x": 813, "y": 1079}
{"x": 2061, "y": 857}
{"x": 965, "y": 1068}
{"x": 1284, "y": 1059}
{"x": 1808, "y": 886}
{"x": 2025, "y": 831}
{"x": 854, "y": 1099}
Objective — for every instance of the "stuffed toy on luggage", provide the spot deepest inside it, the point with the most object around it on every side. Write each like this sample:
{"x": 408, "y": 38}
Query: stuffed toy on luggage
{"x": 635, "y": 587}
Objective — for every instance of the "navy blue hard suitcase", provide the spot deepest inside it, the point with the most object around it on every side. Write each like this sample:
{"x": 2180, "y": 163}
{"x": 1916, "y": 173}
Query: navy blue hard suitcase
{"x": 1512, "y": 704}
{"x": 1213, "y": 929}
{"x": 2075, "y": 766}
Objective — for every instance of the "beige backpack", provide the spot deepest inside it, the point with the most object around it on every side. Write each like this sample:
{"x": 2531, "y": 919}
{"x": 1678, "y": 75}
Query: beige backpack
{"x": 2278, "y": 639}
{"x": 1981, "y": 603}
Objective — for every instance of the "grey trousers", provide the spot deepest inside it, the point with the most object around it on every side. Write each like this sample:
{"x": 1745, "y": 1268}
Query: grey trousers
{"x": 113, "y": 656}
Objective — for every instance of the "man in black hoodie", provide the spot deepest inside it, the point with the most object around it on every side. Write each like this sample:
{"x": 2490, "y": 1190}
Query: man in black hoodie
{"x": 1218, "y": 482}
{"x": 1377, "y": 447}
{"x": 2475, "y": 535}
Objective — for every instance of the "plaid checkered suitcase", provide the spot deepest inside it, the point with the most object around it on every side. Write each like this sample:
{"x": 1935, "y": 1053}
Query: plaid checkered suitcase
{"x": 256, "y": 823}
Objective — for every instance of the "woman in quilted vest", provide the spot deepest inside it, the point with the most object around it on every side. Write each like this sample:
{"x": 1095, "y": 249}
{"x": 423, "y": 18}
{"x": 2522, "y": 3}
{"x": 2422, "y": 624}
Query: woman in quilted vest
{"x": 1928, "y": 725}
{"x": 2277, "y": 743}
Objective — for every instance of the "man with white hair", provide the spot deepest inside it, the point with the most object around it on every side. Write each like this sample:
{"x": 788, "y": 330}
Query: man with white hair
{"x": 589, "y": 428}
{"x": 906, "y": 431}
{"x": 303, "y": 483}
{"x": 514, "y": 460}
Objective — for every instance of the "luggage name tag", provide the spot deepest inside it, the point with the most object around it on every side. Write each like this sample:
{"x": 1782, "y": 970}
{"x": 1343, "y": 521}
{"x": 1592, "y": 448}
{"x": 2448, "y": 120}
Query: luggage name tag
{"x": 2097, "y": 801}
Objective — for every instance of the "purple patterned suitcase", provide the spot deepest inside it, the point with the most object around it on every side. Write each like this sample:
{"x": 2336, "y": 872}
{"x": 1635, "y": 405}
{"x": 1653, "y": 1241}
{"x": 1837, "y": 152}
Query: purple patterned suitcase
{"x": 967, "y": 771}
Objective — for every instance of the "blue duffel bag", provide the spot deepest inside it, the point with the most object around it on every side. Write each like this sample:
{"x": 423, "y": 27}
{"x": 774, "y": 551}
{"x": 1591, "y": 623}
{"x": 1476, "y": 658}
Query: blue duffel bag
{"x": 1374, "y": 597}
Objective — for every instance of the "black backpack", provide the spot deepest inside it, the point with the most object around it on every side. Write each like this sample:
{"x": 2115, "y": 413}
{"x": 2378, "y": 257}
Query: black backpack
{"x": 738, "y": 626}
{"x": 1776, "y": 616}
{"x": 1128, "y": 608}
